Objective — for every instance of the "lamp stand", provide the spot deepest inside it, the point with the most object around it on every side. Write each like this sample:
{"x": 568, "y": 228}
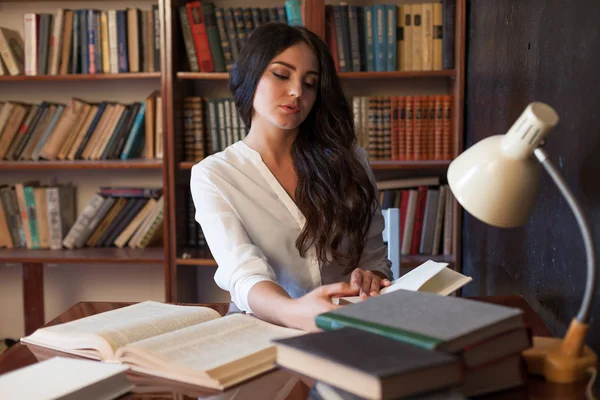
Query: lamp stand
{"x": 566, "y": 360}
{"x": 561, "y": 360}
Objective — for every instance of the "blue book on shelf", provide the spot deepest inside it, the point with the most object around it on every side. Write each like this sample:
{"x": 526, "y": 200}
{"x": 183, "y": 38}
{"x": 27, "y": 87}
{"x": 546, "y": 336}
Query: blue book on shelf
{"x": 122, "y": 41}
{"x": 379, "y": 36}
{"x": 292, "y": 10}
{"x": 369, "y": 35}
{"x": 390, "y": 12}
{"x": 83, "y": 41}
{"x": 136, "y": 134}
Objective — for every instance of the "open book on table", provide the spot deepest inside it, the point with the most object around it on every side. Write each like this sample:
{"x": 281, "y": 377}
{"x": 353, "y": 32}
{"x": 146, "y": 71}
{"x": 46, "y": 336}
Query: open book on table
{"x": 429, "y": 277}
{"x": 188, "y": 344}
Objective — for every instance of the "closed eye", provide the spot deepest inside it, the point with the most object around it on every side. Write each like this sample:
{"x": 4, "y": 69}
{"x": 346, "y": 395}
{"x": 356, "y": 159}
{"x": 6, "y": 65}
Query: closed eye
{"x": 280, "y": 77}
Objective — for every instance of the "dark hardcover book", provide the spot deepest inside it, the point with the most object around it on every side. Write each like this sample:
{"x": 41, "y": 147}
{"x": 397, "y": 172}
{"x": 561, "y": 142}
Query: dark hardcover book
{"x": 43, "y": 43}
{"x": 84, "y": 37}
{"x": 109, "y": 191}
{"x": 426, "y": 320}
{"x": 231, "y": 32}
{"x": 343, "y": 57}
{"x": 324, "y": 391}
{"x": 362, "y": 38}
{"x": 256, "y": 17}
{"x": 368, "y": 365}
{"x": 281, "y": 14}
{"x": 13, "y": 216}
{"x": 240, "y": 27}
{"x": 224, "y": 38}
{"x": 448, "y": 17}
{"x": 264, "y": 15}
{"x": 14, "y": 151}
{"x": 90, "y": 131}
{"x": 192, "y": 232}
{"x": 122, "y": 41}
{"x": 76, "y": 44}
{"x": 188, "y": 40}
{"x": 122, "y": 222}
{"x": 355, "y": 54}
{"x": 212, "y": 32}
{"x": 273, "y": 14}
{"x": 131, "y": 203}
{"x": 116, "y": 132}
{"x": 156, "y": 37}
{"x": 120, "y": 143}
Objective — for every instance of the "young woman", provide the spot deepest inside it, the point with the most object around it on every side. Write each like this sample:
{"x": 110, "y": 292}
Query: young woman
{"x": 290, "y": 213}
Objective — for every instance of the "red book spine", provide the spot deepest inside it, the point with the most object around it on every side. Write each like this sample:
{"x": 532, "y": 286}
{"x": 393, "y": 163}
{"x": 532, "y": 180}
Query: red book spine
{"x": 200, "y": 37}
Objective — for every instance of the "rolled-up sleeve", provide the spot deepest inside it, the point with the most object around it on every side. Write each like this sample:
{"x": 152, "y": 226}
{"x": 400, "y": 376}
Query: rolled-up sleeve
{"x": 374, "y": 256}
{"x": 241, "y": 264}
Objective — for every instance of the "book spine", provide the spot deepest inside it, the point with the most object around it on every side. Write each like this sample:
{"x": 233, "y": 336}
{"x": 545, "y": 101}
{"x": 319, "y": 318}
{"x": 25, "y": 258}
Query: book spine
{"x": 391, "y": 47}
{"x": 122, "y": 41}
{"x": 212, "y": 33}
{"x": 380, "y": 37}
{"x": 54, "y": 221}
{"x": 355, "y": 55}
{"x": 82, "y": 221}
{"x": 330, "y": 321}
{"x": 448, "y": 16}
{"x": 30, "y": 29}
{"x": 225, "y": 45}
{"x": 188, "y": 41}
{"x": 31, "y": 216}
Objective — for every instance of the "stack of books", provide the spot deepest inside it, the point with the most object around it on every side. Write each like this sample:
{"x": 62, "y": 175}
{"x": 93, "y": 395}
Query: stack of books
{"x": 412, "y": 340}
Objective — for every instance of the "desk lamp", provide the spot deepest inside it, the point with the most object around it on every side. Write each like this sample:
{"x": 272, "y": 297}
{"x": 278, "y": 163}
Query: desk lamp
{"x": 497, "y": 181}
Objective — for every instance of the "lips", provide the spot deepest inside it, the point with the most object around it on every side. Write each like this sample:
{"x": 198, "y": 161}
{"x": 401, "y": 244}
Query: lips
{"x": 291, "y": 108}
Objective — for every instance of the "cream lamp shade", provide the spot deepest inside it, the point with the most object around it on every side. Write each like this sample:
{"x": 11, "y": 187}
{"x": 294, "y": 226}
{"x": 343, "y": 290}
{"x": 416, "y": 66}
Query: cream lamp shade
{"x": 497, "y": 179}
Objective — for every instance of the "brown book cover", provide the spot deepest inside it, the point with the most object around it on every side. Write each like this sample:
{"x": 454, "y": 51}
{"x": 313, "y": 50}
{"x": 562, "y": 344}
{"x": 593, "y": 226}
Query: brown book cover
{"x": 447, "y": 130}
{"x": 409, "y": 135}
{"x": 62, "y": 129}
{"x": 65, "y": 59}
{"x": 11, "y": 128}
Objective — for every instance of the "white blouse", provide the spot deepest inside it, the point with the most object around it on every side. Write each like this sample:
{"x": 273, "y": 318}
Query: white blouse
{"x": 251, "y": 225}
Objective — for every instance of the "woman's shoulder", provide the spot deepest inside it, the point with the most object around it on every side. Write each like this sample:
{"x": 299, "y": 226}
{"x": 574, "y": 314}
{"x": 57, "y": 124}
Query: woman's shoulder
{"x": 231, "y": 157}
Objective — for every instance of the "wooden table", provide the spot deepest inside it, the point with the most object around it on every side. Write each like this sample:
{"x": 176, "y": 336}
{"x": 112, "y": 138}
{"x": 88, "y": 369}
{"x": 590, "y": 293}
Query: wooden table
{"x": 21, "y": 355}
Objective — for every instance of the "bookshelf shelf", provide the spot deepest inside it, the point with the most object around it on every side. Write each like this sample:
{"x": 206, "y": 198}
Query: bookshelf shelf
{"x": 109, "y": 255}
{"x": 376, "y": 165}
{"x": 80, "y": 77}
{"x": 342, "y": 75}
{"x": 207, "y": 262}
{"x": 79, "y": 164}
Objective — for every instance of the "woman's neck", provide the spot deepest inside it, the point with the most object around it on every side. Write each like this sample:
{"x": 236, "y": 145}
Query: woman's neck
{"x": 274, "y": 145}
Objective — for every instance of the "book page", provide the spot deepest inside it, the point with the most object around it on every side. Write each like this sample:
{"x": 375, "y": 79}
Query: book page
{"x": 416, "y": 278}
{"x": 212, "y": 344}
{"x": 128, "y": 324}
{"x": 445, "y": 282}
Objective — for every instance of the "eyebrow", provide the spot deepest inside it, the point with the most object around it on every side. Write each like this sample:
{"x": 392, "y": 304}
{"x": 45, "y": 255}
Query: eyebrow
{"x": 290, "y": 66}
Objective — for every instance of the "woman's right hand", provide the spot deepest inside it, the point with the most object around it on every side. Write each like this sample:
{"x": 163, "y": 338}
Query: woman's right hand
{"x": 303, "y": 310}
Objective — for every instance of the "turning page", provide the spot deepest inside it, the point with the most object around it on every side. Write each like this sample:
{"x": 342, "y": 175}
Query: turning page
{"x": 429, "y": 277}
{"x": 100, "y": 335}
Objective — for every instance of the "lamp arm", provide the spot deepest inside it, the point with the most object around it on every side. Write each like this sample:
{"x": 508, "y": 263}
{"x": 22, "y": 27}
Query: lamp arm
{"x": 590, "y": 284}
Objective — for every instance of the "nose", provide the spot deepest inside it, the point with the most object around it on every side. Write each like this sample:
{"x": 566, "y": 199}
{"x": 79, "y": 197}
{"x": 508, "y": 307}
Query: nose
{"x": 296, "y": 88}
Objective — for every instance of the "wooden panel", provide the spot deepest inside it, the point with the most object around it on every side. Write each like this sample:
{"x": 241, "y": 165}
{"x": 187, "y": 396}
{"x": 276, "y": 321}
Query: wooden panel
{"x": 523, "y": 51}
{"x": 33, "y": 296}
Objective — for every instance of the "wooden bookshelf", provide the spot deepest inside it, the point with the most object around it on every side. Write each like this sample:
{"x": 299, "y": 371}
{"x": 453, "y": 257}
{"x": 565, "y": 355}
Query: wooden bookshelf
{"x": 108, "y": 255}
{"x": 80, "y": 77}
{"x": 79, "y": 164}
{"x": 181, "y": 83}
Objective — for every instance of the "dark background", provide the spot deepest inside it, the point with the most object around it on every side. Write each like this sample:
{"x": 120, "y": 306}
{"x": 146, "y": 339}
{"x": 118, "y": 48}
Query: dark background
{"x": 519, "y": 52}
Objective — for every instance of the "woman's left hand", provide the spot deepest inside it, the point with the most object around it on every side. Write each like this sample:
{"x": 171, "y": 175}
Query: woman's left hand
{"x": 368, "y": 282}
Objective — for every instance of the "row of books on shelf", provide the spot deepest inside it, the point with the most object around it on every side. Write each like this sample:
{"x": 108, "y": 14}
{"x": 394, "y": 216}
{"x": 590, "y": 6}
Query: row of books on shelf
{"x": 209, "y": 126}
{"x": 35, "y": 216}
{"x": 402, "y": 128}
{"x": 426, "y": 214}
{"x": 213, "y": 36}
{"x": 390, "y": 37}
{"x": 84, "y": 41}
{"x": 81, "y": 130}
{"x": 396, "y": 128}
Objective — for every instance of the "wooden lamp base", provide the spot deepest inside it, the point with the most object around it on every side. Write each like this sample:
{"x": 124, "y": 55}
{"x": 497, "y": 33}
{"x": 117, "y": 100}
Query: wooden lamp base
{"x": 562, "y": 360}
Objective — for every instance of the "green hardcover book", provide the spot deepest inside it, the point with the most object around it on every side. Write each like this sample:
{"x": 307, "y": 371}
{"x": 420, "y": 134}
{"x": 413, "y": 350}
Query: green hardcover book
{"x": 435, "y": 322}
{"x": 32, "y": 215}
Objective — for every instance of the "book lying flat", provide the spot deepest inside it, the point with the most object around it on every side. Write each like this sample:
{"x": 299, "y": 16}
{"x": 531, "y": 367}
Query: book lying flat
{"x": 188, "y": 344}
{"x": 368, "y": 365}
{"x": 428, "y": 320}
{"x": 429, "y": 277}
{"x": 65, "y": 378}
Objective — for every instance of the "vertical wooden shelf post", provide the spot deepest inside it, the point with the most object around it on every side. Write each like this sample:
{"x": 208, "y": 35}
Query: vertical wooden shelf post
{"x": 33, "y": 296}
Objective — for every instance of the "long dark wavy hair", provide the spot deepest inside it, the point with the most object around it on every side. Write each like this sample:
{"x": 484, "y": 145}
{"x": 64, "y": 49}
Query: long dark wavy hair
{"x": 334, "y": 191}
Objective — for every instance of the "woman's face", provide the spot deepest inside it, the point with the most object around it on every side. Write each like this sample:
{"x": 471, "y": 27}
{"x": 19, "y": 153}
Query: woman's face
{"x": 287, "y": 89}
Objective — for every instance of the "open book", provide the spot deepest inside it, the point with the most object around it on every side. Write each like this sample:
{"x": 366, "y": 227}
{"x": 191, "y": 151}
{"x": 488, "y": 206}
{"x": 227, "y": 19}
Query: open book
{"x": 188, "y": 344}
{"x": 429, "y": 277}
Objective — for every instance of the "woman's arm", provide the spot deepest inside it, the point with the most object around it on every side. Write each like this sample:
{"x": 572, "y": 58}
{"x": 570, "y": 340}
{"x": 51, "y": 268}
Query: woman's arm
{"x": 271, "y": 303}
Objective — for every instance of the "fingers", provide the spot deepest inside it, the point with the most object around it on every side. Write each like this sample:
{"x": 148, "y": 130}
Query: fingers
{"x": 385, "y": 282}
{"x": 375, "y": 285}
{"x": 339, "y": 289}
{"x": 356, "y": 278}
